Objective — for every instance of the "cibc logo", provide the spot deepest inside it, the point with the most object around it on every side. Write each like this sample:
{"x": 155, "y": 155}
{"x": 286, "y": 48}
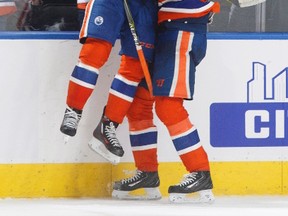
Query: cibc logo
{"x": 262, "y": 124}
{"x": 262, "y": 121}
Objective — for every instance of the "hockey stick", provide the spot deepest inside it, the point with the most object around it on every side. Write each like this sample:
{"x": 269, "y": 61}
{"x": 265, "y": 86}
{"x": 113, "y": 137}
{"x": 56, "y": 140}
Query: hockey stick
{"x": 138, "y": 48}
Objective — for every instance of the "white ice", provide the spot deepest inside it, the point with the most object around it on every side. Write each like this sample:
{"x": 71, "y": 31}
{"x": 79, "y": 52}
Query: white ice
{"x": 223, "y": 206}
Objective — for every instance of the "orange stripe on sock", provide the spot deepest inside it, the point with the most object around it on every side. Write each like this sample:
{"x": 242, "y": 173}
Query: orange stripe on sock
{"x": 140, "y": 125}
{"x": 180, "y": 127}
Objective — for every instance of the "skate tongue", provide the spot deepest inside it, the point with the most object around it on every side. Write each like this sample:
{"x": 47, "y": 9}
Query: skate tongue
{"x": 188, "y": 178}
{"x": 136, "y": 175}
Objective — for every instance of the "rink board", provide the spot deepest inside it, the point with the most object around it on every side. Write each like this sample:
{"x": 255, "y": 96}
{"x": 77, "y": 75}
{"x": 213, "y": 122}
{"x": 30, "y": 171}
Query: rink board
{"x": 239, "y": 107}
{"x": 95, "y": 180}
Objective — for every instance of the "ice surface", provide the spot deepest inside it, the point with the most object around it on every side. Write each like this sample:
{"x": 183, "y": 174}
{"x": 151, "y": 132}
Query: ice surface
{"x": 223, "y": 206}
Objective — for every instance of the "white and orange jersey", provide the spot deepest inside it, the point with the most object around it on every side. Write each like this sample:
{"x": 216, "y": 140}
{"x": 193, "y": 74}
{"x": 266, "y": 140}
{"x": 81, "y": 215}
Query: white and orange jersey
{"x": 181, "y": 9}
{"x": 81, "y": 4}
{"x": 7, "y": 7}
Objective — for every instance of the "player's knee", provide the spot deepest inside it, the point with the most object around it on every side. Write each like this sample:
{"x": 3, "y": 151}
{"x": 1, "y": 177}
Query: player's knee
{"x": 141, "y": 107}
{"x": 160, "y": 104}
{"x": 95, "y": 52}
{"x": 170, "y": 110}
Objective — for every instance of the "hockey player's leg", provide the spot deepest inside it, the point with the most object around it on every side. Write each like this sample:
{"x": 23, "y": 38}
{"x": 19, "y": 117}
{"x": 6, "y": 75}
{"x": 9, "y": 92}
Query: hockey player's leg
{"x": 121, "y": 95}
{"x": 143, "y": 139}
{"x": 82, "y": 82}
{"x": 197, "y": 185}
{"x": 123, "y": 88}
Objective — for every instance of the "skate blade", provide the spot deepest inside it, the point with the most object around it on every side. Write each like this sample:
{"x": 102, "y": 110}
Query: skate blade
{"x": 100, "y": 149}
{"x": 149, "y": 194}
{"x": 204, "y": 196}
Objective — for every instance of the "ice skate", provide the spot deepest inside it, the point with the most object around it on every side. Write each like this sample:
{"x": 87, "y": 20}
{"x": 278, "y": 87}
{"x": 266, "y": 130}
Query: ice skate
{"x": 105, "y": 142}
{"x": 149, "y": 181}
{"x": 70, "y": 121}
{"x": 196, "y": 187}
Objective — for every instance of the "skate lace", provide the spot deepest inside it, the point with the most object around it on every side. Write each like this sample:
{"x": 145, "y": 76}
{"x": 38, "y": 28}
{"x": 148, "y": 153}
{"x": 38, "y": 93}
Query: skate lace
{"x": 110, "y": 132}
{"x": 71, "y": 119}
{"x": 188, "y": 179}
{"x": 134, "y": 178}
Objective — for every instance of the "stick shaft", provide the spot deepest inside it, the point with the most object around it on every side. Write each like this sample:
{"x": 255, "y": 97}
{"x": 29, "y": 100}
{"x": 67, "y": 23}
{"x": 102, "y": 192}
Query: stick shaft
{"x": 138, "y": 48}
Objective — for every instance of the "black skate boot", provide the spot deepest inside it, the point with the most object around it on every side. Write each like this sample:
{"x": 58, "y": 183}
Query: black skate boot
{"x": 70, "y": 121}
{"x": 105, "y": 142}
{"x": 149, "y": 181}
{"x": 195, "y": 183}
